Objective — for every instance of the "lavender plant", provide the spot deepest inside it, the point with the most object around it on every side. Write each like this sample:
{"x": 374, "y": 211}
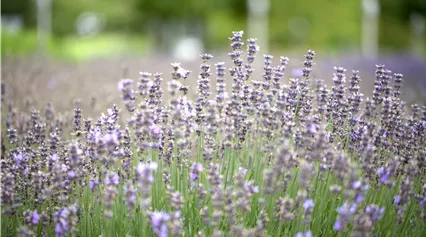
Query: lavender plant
{"x": 255, "y": 157}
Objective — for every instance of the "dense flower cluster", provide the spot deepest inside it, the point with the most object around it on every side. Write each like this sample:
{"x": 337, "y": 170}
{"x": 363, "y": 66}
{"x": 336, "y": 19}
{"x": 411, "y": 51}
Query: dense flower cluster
{"x": 254, "y": 157}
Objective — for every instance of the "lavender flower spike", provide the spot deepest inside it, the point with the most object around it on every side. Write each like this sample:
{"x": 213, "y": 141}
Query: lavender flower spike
{"x": 159, "y": 223}
{"x": 35, "y": 217}
{"x": 196, "y": 170}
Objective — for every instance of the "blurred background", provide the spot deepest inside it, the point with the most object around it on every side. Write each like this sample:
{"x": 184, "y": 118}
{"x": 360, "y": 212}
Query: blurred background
{"x": 82, "y": 29}
{"x": 106, "y": 40}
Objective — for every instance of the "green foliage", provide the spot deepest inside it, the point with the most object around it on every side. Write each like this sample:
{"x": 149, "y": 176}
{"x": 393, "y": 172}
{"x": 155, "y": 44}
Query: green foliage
{"x": 21, "y": 42}
{"x": 118, "y": 14}
{"x": 73, "y": 48}
{"x": 11, "y": 7}
{"x": 166, "y": 10}
{"x": 330, "y": 24}
{"x": 402, "y": 9}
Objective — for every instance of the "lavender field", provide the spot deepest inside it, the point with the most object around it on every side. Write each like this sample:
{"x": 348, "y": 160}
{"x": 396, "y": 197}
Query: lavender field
{"x": 256, "y": 147}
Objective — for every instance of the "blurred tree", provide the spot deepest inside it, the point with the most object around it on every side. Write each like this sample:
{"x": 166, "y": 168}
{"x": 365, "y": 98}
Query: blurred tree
{"x": 326, "y": 24}
{"x": 418, "y": 6}
{"x": 165, "y": 20}
{"x": 14, "y": 7}
{"x": 395, "y": 22}
{"x": 315, "y": 24}
{"x": 19, "y": 7}
{"x": 238, "y": 8}
{"x": 118, "y": 14}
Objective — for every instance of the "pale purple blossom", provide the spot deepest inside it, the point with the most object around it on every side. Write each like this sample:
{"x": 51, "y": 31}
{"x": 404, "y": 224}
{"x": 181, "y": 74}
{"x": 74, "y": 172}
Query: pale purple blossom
{"x": 306, "y": 234}
{"x": 53, "y": 158}
{"x": 112, "y": 179}
{"x": 383, "y": 174}
{"x": 189, "y": 112}
{"x": 196, "y": 169}
{"x": 359, "y": 198}
{"x": 356, "y": 184}
{"x": 111, "y": 139}
{"x": 61, "y": 229}
{"x": 124, "y": 83}
{"x": 397, "y": 199}
{"x": 19, "y": 158}
{"x": 375, "y": 212}
{"x": 308, "y": 204}
{"x": 93, "y": 184}
{"x": 250, "y": 188}
{"x": 35, "y": 218}
{"x": 71, "y": 174}
{"x": 338, "y": 225}
{"x": 155, "y": 129}
{"x": 313, "y": 128}
{"x": 345, "y": 213}
{"x": 144, "y": 171}
{"x": 159, "y": 223}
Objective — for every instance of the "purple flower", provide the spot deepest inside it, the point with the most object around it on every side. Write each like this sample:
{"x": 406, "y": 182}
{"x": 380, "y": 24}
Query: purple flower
{"x": 123, "y": 83}
{"x": 383, "y": 174}
{"x": 155, "y": 129}
{"x": 359, "y": 198}
{"x": 356, "y": 184}
{"x": 35, "y": 217}
{"x": 380, "y": 171}
{"x": 112, "y": 178}
{"x": 195, "y": 126}
{"x": 176, "y": 215}
{"x": 338, "y": 225}
{"x": 385, "y": 177}
{"x": 346, "y": 209}
{"x": 195, "y": 170}
{"x": 111, "y": 139}
{"x": 223, "y": 96}
{"x": 71, "y": 174}
{"x": 63, "y": 213}
{"x": 18, "y": 159}
{"x": 159, "y": 223}
{"x": 93, "y": 184}
{"x": 144, "y": 171}
{"x": 59, "y": 230}
{"x": 189, "y": 112}
{"x": 313, "y": 128}
{"x": 375, "y": 212}
{"x": 345, "y": 212}
{"x": 397, "y": 199}
{"x": 54, "y": 158}
{"x": 182, "y": 73}
{"x": 308, "y": 204}
{"x": 306, "y": 234}
{"x": 194, "y": 176}
{"x": 250, "y": 188}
